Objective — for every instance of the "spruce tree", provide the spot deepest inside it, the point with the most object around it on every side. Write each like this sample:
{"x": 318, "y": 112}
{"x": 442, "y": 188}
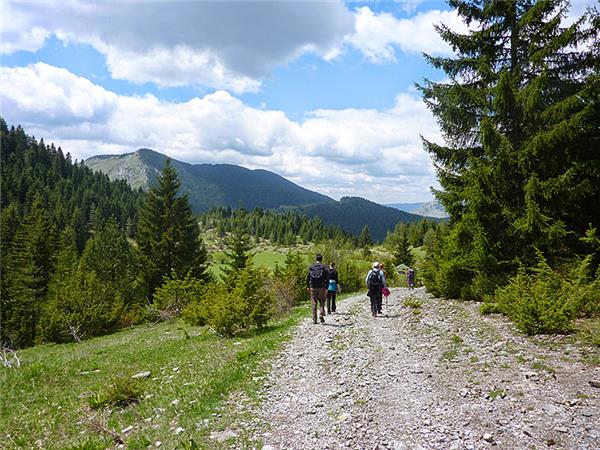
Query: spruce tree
{"x": 28, "y": 271}
{"x": 109, "y": 254}
{"x": 520, "y": 116}
{"x": 402, "y": 252}
{"x": 168, "y": 234}
{"x": 364, "y": 239}
{"x": 238, "y": 254}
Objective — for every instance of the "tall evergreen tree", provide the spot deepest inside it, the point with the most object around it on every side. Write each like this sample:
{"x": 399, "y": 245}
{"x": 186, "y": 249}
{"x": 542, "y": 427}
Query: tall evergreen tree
{"x": 29, "y": 267}
{"x": 402, "y": 252}
{"x": 520, "y": 114}
{"x": 167, "y": 234}
{"x": 364, "y": 239}
{"x": 109, "y": 254}
{"x": 238, "y": 253}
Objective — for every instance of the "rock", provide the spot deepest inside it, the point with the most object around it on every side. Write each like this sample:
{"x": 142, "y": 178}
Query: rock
{"x": 550, "y": 409}
{"x": 222, "y": 436}
{"x": 268, "y": 447}
{"x": 127, "y": 429}
{"x": 562, "y": 429}
{"x": 179, "y": 430}
{"x": 488, "y": 437}
{"x": 595, "y": 383}
{"x": 139, "y": 375}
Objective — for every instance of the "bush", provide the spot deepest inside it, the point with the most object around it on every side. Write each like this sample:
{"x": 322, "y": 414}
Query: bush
{"x": 233, "y": 309}
{"x": 121, "y": 392}
{"x": 351, "y": 277}
{"x": 538, "y": 301}
{"x": 176, "y": 294}
{"x": 82, "y": 306}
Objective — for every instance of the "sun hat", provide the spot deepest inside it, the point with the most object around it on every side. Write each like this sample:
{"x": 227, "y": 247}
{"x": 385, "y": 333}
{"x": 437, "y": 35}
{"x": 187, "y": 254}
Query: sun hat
{"x": 375, "y": 265}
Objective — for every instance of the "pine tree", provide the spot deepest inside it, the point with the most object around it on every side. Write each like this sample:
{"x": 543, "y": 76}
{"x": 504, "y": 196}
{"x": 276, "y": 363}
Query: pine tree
{"x": 402, "y": 252}
{"x": 364, "y": 239}
{"x": 109, "y": 254}
{"x": 167, "y": 234}
{"x": 520, "y": 115}
{"x": 238, "y": 254}
{"x": 29, "y": 267}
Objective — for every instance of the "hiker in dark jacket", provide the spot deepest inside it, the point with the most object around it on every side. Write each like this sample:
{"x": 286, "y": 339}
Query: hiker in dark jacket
{"x": 332, "y": 288}
{"x": 375, "y": 281}
{"x": 316, "y": 283}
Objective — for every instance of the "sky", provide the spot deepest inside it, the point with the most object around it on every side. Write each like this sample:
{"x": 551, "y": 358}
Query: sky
{"x": 320, "y": 92}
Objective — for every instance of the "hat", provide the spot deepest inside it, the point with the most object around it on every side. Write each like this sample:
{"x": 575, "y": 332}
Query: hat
{"x": 375, "y": 265}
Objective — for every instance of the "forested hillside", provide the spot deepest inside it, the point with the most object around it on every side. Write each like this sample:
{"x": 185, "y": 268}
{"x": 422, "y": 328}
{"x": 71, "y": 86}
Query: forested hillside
{"x": 208, "y": 185}
{"x": 52, "y": 209}
{"x": 284, "y": 228}
{"x": 520, "y": 170}
{"x": 353, "y": 213}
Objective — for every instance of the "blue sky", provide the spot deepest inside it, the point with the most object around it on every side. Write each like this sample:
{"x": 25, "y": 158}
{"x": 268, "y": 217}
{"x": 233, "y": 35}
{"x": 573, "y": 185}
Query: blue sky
{"x": 319, "y": 92}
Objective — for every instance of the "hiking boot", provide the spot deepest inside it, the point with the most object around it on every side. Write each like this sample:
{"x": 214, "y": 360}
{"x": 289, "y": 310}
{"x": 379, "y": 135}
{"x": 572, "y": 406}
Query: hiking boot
{"x": 322, "y": 319}
{"x": 315, "y": 321}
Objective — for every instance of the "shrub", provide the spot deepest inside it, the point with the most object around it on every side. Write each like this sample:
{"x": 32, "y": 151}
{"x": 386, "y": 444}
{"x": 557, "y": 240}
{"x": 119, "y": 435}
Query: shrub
{"x": 82, "y": 306}
{"x": 121, "y": 392}
{"x": 351, "y": 278}
{"x": 232, "y": 309}
{"x": 177, "y": 293}
{"x": 538, "y": 301}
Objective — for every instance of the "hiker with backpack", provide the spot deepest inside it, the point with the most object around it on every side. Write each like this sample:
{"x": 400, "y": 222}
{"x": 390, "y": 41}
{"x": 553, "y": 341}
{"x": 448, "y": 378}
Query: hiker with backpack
{"x": 410, "y": 278}
{"x": 375, "y": 282}
{"x": 332, "y": 288}
{"x": 316, "y": 283}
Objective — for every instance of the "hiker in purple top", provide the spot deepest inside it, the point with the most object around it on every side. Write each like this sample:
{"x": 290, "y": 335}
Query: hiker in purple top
{"x": 316, "y": 283}
{"x": 410, "y": 278}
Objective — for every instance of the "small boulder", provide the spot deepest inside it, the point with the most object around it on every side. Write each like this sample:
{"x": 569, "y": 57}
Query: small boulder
{"x": 141, "y": 375}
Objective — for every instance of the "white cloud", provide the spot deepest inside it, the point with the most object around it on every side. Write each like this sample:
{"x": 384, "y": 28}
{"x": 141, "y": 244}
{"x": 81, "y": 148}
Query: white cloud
{"x": 366, "y": 152}
{"x": 378, "y": 36}
{"x": 224, "y": 45}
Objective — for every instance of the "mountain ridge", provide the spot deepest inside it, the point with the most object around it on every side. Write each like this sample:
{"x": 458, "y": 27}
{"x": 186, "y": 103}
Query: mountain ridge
{"x": 208, "y": 185}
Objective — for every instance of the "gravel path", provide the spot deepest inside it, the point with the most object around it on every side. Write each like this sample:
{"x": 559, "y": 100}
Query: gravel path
{"x": 438, "y": 376}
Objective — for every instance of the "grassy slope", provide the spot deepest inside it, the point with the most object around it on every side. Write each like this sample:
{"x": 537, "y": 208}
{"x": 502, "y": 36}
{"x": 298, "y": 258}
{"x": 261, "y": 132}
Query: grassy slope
{"x": 44, "y": 403}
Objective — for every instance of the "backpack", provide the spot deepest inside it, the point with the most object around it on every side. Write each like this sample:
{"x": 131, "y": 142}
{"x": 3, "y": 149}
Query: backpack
{"x": 411, "y": 274}
{"x": 316, "y": 273}
{"x": 374, "y": 282}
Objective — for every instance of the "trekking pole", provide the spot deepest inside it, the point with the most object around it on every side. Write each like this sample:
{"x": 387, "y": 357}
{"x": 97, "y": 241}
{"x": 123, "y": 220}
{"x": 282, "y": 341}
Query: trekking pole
{"x": 386, "y": 307}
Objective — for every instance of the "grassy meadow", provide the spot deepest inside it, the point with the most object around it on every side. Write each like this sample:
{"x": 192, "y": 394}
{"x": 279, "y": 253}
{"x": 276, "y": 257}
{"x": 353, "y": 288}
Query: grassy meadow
{"x": 81, "y": 395}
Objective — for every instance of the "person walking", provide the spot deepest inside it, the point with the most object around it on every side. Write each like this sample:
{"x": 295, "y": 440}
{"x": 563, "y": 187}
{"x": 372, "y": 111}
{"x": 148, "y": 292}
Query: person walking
{"x": 316, "y": 283}
{"x": 375, "y": 282}
{"x": 332, "y": 288}
{"x": 410, "y": 278}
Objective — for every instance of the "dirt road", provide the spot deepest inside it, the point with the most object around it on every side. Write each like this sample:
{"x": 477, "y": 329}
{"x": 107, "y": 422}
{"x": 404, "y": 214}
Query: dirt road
{"x": 433, "y": 374}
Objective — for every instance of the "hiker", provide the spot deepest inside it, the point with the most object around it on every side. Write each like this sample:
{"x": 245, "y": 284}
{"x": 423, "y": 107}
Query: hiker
{"x": 410, "y": 278}
{"x": 332, "y": 288}
{"x": 316, "y": 283}
{"x": 375, "y": 282}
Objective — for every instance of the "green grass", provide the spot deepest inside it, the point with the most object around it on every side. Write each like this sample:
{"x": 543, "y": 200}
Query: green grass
{"x": 412, "y": 302}
{"x": 46, "y": 403}
{"x": 496, "y": 393}
{"x": 267, "y": 258}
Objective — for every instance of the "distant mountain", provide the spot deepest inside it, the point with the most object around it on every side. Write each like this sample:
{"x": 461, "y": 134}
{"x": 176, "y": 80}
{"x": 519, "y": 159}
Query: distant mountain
{"x": 209, "y": 185}
{"x": 428, "y": 209}
{"x": 353, "y": 213}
